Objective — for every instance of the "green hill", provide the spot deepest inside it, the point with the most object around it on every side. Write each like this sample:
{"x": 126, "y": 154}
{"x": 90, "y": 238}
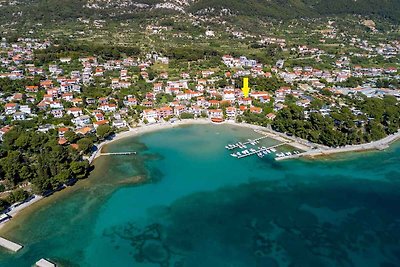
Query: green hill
{"x": 282, "y": 9}
{"x": 34, "y": 11}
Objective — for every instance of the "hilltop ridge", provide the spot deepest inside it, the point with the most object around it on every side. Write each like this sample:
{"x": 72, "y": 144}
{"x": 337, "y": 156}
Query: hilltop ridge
{"x": 56, "y": 10}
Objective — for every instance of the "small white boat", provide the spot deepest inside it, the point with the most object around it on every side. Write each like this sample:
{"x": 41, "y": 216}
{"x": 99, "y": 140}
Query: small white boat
{"x": 233, "y": 155}
{"x": 273, "y": 149}
{"x": 260, "y": 155}
{"x": 252, "y": 150}
{"x": 265, "y": 152}
{"x": 288, "y": 153}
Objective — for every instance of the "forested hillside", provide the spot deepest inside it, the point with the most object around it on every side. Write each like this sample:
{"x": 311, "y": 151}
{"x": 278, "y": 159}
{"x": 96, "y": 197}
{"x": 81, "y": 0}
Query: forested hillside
{"x": 299, "y": 8}
{"x": 58, "y": 10}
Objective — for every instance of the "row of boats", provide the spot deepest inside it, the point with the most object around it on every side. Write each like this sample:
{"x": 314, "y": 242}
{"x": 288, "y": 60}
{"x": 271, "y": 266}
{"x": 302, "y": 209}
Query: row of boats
{"x": 285, "y": 154}
{"x": 261, "y": 152}
{"x": 242, "y": 145}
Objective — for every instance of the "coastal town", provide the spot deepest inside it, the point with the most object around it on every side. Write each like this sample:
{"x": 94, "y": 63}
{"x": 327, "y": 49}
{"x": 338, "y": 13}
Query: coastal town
{"x": 61, "y": 90}
{"x": 129, "y": 130}
{"x": 81, "y": 100}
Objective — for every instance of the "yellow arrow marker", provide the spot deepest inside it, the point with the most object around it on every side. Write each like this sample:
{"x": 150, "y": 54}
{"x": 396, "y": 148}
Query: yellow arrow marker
{"x": 246, "y": 88}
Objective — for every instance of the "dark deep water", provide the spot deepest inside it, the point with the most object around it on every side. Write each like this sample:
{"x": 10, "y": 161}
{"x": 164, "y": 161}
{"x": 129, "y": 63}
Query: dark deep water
{"x": 202, "y": 207}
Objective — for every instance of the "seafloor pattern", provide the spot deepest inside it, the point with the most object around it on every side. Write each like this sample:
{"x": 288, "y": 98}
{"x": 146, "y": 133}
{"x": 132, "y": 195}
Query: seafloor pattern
{"x": 337, "y": 223}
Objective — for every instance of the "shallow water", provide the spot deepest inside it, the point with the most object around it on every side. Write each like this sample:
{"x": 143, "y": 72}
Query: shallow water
{"x": 202, "y": 207}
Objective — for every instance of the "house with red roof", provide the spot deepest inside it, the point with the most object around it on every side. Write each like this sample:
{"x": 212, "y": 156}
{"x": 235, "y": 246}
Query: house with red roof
{"x": 231, "y": 113}
{"x": 76, "y": 112}
{"x": 99, "y": 116}
{"x": 164, "y": 112}
{"x": 62, "y": 131}
{"x": 31, "y": 88}
{"x": 102, "y": 122}
{"x": 256, "y": 110}
{"x": 215, "y": 113}
{"x": 178, "y": 110}
{"x": 10, "y": 108}
{"x": 150, "y": 115}
{"x": 4, "y": 130}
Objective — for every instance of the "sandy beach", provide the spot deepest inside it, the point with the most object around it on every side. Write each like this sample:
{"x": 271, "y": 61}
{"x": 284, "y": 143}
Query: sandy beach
{"x": 145, "y": 129}
{"x": 132, "y": 132}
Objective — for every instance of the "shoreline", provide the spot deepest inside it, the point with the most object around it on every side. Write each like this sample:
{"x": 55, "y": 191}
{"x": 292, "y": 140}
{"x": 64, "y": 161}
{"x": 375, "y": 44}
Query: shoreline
{"x": 119, "y": 136}
{"x": 312, "y": 150}
{"x": 143, "y": 129}
{"x": 378, "y": 145}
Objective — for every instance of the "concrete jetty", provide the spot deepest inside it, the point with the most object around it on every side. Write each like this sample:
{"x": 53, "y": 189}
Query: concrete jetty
{"x": 10, "y": 245}
{"x": 375, "y": 145}
{"x": 290, "y": 140}
{"x": 118, "y": 153}
{"x": 44, "y": 263}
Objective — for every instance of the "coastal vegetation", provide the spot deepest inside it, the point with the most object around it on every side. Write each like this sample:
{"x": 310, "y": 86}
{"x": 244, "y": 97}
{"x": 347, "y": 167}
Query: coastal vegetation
{"x": 379, "y": 118}
{"x": 34, "y": 162}
{"x": 37, "y": 158}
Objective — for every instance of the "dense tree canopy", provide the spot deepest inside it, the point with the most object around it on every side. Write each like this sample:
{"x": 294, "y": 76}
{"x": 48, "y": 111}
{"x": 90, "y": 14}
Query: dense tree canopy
{"x": 380, "y": 117}
{"x": 38, "y": 158}
{"x": 103, "y": 131}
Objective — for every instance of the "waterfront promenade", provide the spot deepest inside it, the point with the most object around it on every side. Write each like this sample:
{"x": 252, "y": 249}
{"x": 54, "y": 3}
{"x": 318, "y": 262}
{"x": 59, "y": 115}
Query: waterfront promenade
{"x": 15, "y": 210}
{"x": 310, "y": 149}
{"x": 375, "y": 145}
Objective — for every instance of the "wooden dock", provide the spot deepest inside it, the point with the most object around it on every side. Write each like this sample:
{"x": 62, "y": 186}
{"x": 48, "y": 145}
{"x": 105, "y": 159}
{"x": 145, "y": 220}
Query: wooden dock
{"x": 10, "y": 245}
{"x": 118, "y": 153}
{"x": 44, "y": 263}
{"x": 239, "y": 144}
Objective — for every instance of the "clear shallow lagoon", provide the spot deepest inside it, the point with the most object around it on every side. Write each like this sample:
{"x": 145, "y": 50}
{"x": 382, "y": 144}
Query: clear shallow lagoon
{"x": 201, "y": 207}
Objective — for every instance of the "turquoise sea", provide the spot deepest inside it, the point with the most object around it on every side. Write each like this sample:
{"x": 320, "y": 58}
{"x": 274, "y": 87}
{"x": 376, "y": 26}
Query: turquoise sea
{"x": 202, "y": 207}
